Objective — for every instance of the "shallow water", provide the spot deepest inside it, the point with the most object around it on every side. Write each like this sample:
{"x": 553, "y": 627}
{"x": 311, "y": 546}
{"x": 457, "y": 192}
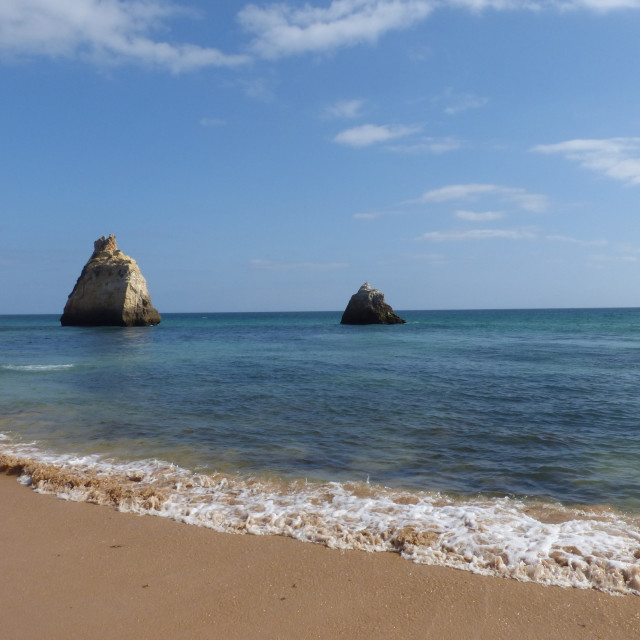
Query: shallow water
{"x": 475, "y": 420}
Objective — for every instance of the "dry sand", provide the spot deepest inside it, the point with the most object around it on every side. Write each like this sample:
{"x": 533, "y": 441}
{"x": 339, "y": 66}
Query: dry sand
{"x": 72, "y": 570}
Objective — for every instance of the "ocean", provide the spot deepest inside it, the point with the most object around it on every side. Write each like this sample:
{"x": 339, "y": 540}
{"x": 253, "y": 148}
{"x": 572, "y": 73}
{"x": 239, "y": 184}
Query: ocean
{"x": 505, "y": 443}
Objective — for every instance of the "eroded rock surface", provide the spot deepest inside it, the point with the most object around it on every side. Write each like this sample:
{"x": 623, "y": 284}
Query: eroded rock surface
{"x": 111, "y": 291}
{"x": 367, "y": 306}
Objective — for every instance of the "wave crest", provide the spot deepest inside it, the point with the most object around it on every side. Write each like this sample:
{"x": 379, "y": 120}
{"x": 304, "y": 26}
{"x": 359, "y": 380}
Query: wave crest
{"x": 36, "y": 367}
{"x": 545, "y": 543}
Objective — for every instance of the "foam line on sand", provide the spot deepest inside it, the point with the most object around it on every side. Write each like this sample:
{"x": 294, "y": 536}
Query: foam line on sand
{"x": 76, "y": 570}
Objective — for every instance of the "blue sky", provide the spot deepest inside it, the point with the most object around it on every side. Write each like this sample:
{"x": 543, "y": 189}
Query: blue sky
{"x": 274, "y": 156}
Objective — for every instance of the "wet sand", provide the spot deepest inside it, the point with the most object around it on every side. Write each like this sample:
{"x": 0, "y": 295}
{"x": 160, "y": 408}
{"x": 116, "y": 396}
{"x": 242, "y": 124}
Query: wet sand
{"x": 75, "y": 570}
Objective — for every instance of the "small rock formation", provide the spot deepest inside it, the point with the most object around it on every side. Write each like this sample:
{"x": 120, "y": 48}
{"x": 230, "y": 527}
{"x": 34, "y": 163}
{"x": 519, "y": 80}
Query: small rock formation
{"x": 110, "y": 291}
{"x": 368, "y": 307}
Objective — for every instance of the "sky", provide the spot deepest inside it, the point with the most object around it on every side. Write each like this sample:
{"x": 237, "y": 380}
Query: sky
{"x": 273, "y": 156}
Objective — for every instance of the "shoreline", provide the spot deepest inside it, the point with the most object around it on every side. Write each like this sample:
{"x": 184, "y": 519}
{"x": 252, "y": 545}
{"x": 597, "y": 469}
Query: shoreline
{"x": 78, "y": 570}
{"x": 549, "y": 544}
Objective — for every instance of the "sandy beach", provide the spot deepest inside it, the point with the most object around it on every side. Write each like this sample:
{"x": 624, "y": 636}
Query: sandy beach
{"x": 76, "y": 570}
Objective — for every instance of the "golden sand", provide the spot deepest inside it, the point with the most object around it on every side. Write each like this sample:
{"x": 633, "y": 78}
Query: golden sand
{"x": 76, "y": 570}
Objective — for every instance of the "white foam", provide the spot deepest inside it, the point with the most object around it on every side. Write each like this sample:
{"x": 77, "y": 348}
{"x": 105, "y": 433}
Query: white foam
{"x": 565, "y": 547}
{"x": 35, "y": 367}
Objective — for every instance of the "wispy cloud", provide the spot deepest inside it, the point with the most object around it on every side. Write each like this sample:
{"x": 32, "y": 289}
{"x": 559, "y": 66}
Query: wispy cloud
{"x": 430, "y": 258}
{"x": 617, "y": 158}
{"x": 282, "y": 29}
{"x": 374, "y": 215}
{"x": 471, "y": 192}
{"x": 482, "y": 216}
{"x": 465, "y": 104}
{"x": 273, "y": 265}
{"x": 368, "y": 134}
{"x": 479, "y": 234}
{"x": 105, "y": 31}
{"x": 428, "y": 145}
{"x": 600, "y": 6}
{"x": 578, "y": 241}
{"x": 458, "y": 102}
{"x": 212, "y": 122}
{"x": 601, "y": 259}
{"x": 259, "y": 88}
{"x": 112, "y": 32}
{"x": 344, "y": 109}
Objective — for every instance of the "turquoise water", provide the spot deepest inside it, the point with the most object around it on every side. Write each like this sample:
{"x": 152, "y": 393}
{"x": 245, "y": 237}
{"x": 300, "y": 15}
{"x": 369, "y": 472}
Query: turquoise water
{"x": 501, "y": 442}
{"x": 525, "y": 403}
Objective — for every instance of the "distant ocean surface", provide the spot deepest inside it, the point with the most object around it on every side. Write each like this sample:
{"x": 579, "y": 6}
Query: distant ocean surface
{"x": 501, "y": 442}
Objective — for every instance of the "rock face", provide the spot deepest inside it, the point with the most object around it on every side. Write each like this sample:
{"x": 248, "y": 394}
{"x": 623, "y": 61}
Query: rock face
{"x": 110, "y": 291}
{"x": 368, "y": 307}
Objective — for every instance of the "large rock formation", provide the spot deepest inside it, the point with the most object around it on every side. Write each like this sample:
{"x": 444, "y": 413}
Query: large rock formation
{"x": 110, "y": 291}
{"x": 368, "y": 307}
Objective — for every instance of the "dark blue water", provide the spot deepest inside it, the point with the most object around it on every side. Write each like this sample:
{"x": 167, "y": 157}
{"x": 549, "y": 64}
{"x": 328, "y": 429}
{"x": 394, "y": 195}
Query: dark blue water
{"x": 541, "y": 403}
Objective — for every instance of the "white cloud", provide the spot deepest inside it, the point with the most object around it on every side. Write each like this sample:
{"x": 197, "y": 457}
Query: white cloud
{"x": 369, "y": 216}
{"x": 519, "y": 197}
{"x": 571, "y": 240}
{"x": 104, "y": 31}
{"x": 344, "y": 109}
{"x": 368, "y": 134}
{"x": 374, "y": 215}
{"x": 120, "y": 31}
{"x": 617, "y": 158}
{"x": 286, "y": 29}
{"x": 628, "y": 248}
{"x": 457, "y": 192}
{"x": 259, "y": 89}
{"x": 431, "y": 258}
{"x": 602, "y": 259}
{"x": 429, "y": 145}
{"x": 465, "y": 104}
{"x": 281, "y": 29}
{"x": 459, "y": 102}
{"x": 479, "y": 234}
{"x": 479, "y": 216}
{"x": 600, "y": 6}
{"x": 297, "y": 266}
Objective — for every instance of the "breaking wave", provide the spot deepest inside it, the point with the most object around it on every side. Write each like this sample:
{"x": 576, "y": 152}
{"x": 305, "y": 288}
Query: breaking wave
{"x": 590, "y": 547}
{"x": 35, "y": 367}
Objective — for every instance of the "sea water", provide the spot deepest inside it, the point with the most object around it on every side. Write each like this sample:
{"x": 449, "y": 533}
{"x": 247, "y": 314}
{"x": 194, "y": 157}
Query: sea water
{"x": 501, "y": 442}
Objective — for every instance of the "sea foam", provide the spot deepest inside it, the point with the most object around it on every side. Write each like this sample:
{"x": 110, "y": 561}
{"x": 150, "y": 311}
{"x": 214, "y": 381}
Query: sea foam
{"x": 36, "y": 367}
{"x": 529, "y": 541}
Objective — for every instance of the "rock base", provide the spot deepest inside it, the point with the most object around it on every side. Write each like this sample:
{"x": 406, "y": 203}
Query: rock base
{"x": 110, "y": 291}
{"x": 367, "y": 306}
